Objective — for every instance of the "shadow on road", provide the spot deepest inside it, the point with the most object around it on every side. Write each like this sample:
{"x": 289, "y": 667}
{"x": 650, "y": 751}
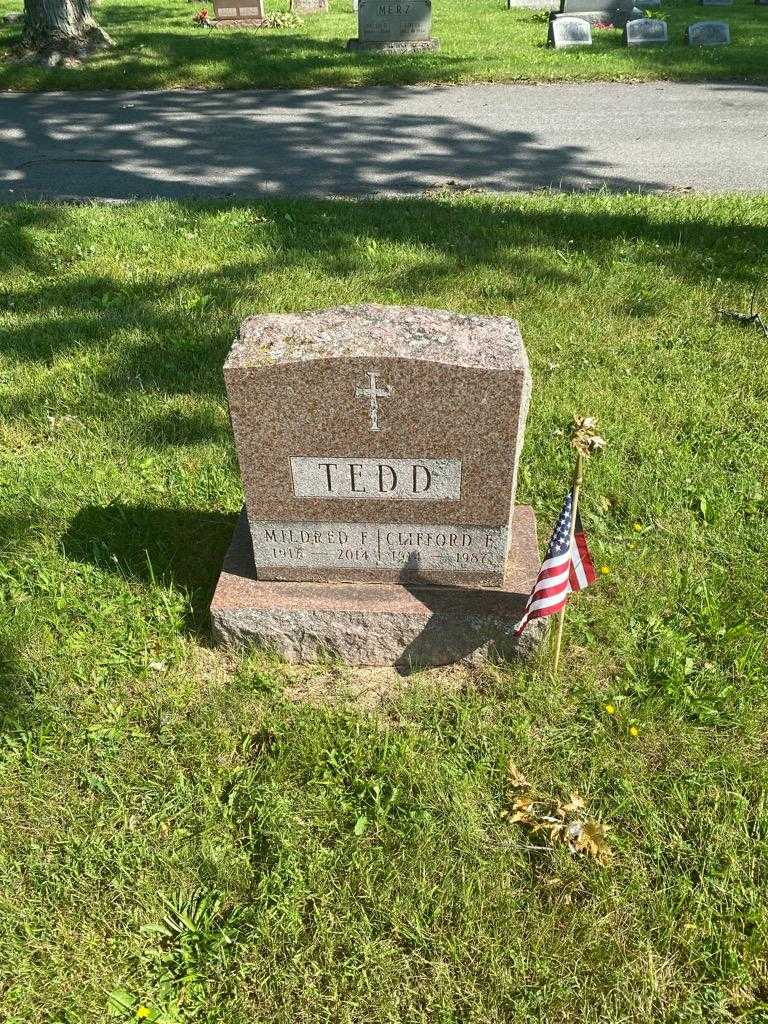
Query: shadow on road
{"x": 327, "y": 142}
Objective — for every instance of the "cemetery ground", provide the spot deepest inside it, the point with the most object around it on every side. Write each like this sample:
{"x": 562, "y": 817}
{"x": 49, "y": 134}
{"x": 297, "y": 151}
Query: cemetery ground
{"x": 184, "y": 840}
{"x": 157, "y": 46}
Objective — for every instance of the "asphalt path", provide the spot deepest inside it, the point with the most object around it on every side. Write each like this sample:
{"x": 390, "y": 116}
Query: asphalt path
{"x": 661, "y": 136}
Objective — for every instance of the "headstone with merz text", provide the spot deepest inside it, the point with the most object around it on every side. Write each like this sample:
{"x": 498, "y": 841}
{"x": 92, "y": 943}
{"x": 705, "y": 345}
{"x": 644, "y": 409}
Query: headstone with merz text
{"x": 378, "y": 448}
{"x": 708, "y": 33}
{"x": 394, "y": 26}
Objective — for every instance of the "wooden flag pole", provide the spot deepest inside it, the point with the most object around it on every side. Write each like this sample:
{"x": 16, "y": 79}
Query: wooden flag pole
{"x": 578, "y": 476}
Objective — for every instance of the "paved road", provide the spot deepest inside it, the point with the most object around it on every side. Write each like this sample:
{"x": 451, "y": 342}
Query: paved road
{"x": 392, "y": 141}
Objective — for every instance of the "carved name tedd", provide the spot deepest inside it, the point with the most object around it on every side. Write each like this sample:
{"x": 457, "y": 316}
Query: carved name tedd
{"x": 403, "y": 479}
{"x": 379, "y": 443}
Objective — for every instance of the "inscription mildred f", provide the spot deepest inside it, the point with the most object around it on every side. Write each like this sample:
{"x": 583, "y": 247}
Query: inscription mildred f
{"x": 404, "y": 479}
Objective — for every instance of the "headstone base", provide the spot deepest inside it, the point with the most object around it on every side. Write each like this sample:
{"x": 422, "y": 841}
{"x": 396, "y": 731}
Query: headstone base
{"x": 401, "y": 46}
{"x": 379, "y": 623}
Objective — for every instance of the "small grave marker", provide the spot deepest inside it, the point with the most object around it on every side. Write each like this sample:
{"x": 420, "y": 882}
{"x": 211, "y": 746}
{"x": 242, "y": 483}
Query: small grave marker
{"x": 236, "y": 15}
{"x": 566, "y": 31}
{"x": 646, "y": 32}
{"x": 309, "y": 7}
{"x": 708, "y": 33}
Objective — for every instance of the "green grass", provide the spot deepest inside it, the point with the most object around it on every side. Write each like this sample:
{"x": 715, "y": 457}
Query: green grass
{"x": 159, "y": 47}
{"x": 179, "y": 833}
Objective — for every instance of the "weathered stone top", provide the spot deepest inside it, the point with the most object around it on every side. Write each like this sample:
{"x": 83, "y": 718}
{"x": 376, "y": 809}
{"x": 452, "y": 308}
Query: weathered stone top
{"x": 378, "y": 332}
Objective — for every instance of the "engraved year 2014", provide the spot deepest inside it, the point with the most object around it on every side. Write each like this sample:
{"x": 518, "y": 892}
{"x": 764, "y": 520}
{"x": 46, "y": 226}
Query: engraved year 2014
{"x": 297, "y": 554}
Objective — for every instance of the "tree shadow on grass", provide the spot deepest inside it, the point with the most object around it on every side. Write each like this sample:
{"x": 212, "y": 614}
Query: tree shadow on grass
{"x": 183, "y": 548}
{"x": 143, "y": 342}
{"x": 18, "y": 684}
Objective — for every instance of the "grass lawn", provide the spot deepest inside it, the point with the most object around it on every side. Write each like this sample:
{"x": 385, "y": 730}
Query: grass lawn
{"x": 179, "y": 833}
{"x": 159, "y": 47}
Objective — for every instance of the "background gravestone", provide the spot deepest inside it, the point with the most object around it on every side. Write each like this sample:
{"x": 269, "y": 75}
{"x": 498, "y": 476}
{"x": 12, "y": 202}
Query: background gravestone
{"x": 708, "y": 33}
{"x": 646, "y": 32}
{"x": 234, "y": 15}
{"x": 716, "y": 3}
{"x": 610, "y": 12}
{"x": 533, "y": 5}
{"x": 309, "y": 6}
{"x": 566, "y": 31}
{"x": 404, "y": 26}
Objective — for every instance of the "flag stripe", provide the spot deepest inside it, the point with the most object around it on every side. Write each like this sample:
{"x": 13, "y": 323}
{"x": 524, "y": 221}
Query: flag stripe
{"x": 550, "y": 581}
{"x": 577, "y": 576}
{"x": 585, "y": 560}
{"x": 548, "y": 602}
{"x": 551, "y": 565}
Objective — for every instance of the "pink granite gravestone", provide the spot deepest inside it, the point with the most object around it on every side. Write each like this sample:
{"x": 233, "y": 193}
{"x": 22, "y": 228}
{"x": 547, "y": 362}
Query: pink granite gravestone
{"x": 378, "y": 447}
{"x": 249, "y": 13}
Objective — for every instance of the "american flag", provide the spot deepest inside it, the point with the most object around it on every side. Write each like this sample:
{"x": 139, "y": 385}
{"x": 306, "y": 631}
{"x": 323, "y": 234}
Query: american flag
{"x": 561, "y": 571}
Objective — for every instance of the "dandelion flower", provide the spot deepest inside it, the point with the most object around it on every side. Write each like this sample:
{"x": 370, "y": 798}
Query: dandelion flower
{"x": 142, "y": 1012}
{"x": 610, "y": 709}
{"x": 637, "y": 527}
{"x": 634, "y": 731}
{"x": 605, "y": 570}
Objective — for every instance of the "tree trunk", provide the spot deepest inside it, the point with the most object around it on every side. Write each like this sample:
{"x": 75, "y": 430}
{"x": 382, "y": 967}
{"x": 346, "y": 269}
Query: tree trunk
{"x": 59, "y": 30}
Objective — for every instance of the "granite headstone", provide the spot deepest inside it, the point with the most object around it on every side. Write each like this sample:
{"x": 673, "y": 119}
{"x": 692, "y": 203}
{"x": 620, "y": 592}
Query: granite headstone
{"x": 378, "y": 448}
{"x": 357, "y": 435}
{"x": 394, "y": 26}
{"x": 234, "y": 15}
{"x": 302, "y": 7}
{"x": 566, "y": 31}
{"x": 605, "y": 12}
{"x": 646, "y": 32}
{"x": 708, "y": 33}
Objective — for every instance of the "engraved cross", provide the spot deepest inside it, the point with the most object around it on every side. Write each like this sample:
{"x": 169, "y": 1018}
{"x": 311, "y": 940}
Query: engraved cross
{"x": 374, "y": 394}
